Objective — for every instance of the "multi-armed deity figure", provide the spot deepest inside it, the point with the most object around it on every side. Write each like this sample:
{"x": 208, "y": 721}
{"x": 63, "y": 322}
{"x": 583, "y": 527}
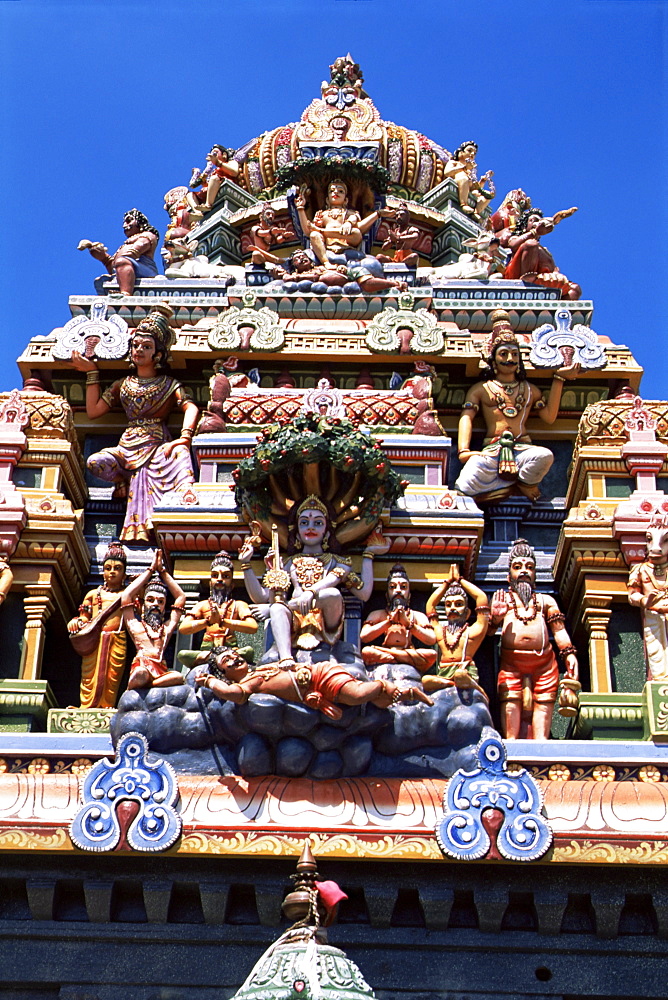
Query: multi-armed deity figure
{"x": 648, "y": 590}
{"x": 529, "y": 676}
{"x": 399, "y": 626}
{"x": 459, "y": 641}
{"x": 506, "y": 400}
{"x": 221, "y": 616}
{"x": 316, "y": 572}
{"x": 145, "y": 464}
{"x": 312, "y": 616}
{"x": 152, "y": 631}
{"x": 336, "y": 231}
{"x": 462, "y": 168}
{"x": 135, "y": 256}
{"x": 98, "y": 634}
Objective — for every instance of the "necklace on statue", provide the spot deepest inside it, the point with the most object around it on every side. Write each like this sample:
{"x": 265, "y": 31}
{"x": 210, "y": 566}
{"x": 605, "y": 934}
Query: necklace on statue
{"x": 152, "y": 635}
{"x": 503, "y": 397}
{"x": 525, "y": 618}
{"x": 452, "y": 646}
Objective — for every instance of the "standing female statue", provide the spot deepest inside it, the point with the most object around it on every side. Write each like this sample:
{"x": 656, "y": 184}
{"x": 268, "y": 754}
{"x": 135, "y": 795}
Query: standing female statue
{"x": 146, "y": 464}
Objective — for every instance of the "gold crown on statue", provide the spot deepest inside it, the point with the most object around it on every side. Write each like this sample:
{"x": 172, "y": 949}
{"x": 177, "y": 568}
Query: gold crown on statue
{"x": 313, "y": 502}
{"x": 502, "y": 332}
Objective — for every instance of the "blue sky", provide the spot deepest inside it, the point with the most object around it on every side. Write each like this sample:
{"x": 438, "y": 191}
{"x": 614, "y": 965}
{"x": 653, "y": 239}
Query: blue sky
{"x": 105, "y": 106}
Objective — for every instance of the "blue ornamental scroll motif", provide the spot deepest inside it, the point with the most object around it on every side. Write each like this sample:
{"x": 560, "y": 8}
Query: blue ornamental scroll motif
{"x": 130, "y": 776}
{"x": 554, "y": 346}
{"x": 524, "y": 835}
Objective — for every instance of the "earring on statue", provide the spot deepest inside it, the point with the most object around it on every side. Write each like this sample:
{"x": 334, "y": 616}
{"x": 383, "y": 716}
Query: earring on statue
{"x": 325, "y": 543}
{"x": 299, "y": 545}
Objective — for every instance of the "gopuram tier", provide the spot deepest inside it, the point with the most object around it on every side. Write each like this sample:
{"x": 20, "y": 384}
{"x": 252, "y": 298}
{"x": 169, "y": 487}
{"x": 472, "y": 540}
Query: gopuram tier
{"x": 343, "y": 531}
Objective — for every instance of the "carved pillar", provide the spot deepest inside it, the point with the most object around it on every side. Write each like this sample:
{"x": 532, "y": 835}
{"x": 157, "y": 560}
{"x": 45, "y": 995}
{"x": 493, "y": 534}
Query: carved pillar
{"x": 38, "y": 607}
{"x": 596, "y": 614}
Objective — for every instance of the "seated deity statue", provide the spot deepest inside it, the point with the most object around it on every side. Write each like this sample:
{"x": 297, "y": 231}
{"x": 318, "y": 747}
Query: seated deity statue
{"x": 463, "y": 171}
{"x": 313, "y": 615}
{"x": 458, "y": 641}
{"x": 401, "y": 239}
{"x": 219, "y": 165}
{"x": 398, "y": 625}
{"x": 506, "y": 400}
{"x": 146, "y": 464}
{"x": 221, "y": 616}
{"x": 648, "y": 590}
{"x": 336, "y": 230}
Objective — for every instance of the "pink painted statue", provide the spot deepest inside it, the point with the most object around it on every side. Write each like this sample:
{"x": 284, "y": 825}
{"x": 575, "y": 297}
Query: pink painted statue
{"x": 648, "y": 590}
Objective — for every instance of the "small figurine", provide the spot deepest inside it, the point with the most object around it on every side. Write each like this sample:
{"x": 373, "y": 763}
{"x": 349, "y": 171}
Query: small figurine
{"x": 219, "y": 165}
{"x": 403, "y": 237}
{"x": 336, "y": 229}
{"x": 265, "y": 234}
{"x": 528, "y": 675}
{"x": 399, "y": 625}
{"x": 460, "y": 641}
{"x": 134, "y": 258}
{"x": 181, "y": 217}
{"x": 146, "y": 464}
{"x": 221, "y": 616}
{"x": 530, "y": 261}
{"x": 153, "y": 630}
{"x": 324, "y": 686}
{"x": 506, "y": 399}
{"x": 648, "y": 590}
{"x": 98, "y": 634}
{"x": 462, "y": 170}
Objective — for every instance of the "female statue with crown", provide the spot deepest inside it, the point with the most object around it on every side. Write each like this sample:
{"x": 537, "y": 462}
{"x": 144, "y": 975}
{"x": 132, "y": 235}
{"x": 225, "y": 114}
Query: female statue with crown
{"x": 146, "y": 464}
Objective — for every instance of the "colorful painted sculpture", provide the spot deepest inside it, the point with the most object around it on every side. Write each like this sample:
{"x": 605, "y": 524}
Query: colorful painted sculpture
{"x": 462, "y": 170}
{"x": 221, "y": 616}
{"x": 135, "y": 256}
{"x": 458, "y": 642}
{"x": 530, "y": 261}
{"x": 353, "y": 277}
{"x": 336, "y": 229}
{"x": 146, "y": 464}
{"x": 398, "y": 626}
{"x": 181, "y": 260}
{"x": 98, "y": 634}
{"x": 529, "y": 676}
{"x": 219, "y": 165}
{"x": 152, "y": 631}
{"x": 324, "y": 686}
{"x": 265, "y": 234}
{"x": 401, "y": 236}
{"x": 314, "y": 614}
{"x": 506, "y": 400}
{"x": 486, "y": 260}
{"x": 648, "y": 590}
